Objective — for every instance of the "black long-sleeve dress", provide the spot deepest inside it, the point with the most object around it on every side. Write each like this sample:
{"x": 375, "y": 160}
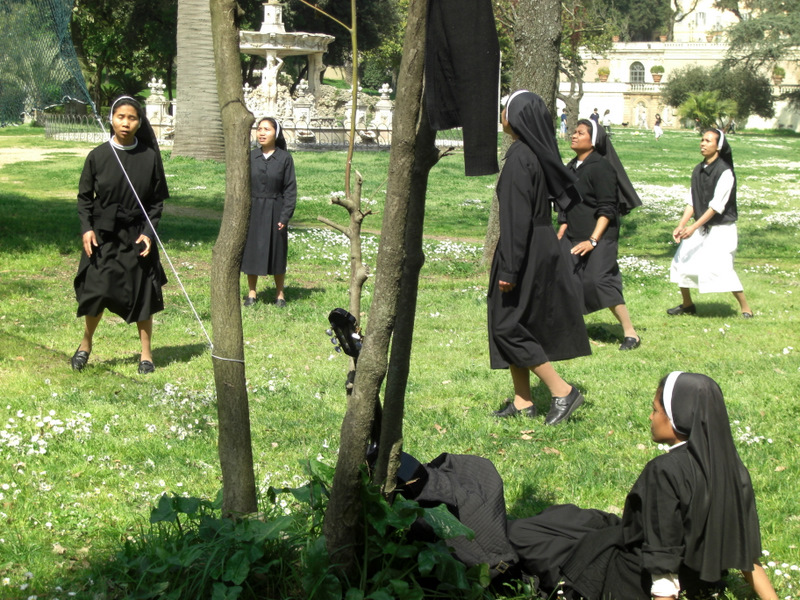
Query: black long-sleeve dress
{"x": 597, "y": 271}
{"x": 115, "y": 277}
{"x": 273, "y": 188}
{"x": 540, "y": 320}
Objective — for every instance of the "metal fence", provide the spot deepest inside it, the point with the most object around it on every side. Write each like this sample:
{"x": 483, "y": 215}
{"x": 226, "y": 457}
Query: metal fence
{"x": 315, "y": 134}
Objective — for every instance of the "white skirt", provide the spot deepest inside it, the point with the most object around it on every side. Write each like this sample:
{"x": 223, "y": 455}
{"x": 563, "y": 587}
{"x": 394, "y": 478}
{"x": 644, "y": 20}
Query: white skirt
{"x": 705, "y": 261}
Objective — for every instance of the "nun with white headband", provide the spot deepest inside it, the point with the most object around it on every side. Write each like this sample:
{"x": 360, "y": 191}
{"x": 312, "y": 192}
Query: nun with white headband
{"x": 704, "y": 259}
{"x": 273, "y": 189}
{"x": 690, "y": 516}
{"x": 121, "y": 197}
{"x": 534, "y": 306}
{"x": 591, "y": 229}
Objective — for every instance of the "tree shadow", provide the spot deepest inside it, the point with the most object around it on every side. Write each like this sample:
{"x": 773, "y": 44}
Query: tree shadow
{"x": 28, "y": 224}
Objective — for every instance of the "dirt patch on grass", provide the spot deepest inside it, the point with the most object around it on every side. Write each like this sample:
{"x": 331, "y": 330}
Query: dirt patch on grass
{"x": 14, "y": 155}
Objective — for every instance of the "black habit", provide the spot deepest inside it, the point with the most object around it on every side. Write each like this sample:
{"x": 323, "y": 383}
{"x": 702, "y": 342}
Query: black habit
{"x": 116, "y": 277}
{"x": 462, "y": 72}
{"x": 597, "y": 271}
{"x": 539, "y": 320}
{"x": 273, "y": 188}
{"x": 691, "y": 512}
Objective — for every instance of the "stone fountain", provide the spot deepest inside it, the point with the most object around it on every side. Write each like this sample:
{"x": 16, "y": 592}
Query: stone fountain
{"x": 274, "y": 43}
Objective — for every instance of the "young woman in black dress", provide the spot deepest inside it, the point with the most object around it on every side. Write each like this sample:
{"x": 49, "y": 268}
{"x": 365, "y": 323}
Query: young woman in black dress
{"x": 120, "y": 200}
{"x": 273, "y": 189}
{"x": 591, "y": 228}
{"x": 534, "y": 308}
{"x": 690, "y": 516}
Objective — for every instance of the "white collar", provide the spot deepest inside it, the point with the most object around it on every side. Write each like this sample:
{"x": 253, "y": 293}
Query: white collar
{"x": 120, "y": 146}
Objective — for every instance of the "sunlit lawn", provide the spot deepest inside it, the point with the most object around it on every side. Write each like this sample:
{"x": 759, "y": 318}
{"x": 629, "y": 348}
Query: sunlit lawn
{"x": 85, "y": 456}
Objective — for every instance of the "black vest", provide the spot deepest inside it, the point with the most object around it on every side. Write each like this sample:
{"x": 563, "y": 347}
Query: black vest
{"x": 704, "y": 182}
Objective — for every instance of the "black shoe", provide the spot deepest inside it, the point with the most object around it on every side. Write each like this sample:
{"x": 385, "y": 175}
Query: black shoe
{"x": 562, "y": 407}
{"x": 629, "y": 343}
{"x": 682, "y": 310}
{"x": 79, "y": 359}
{"x": 280, "y": 303}
{"x": 249, "y": 301}
{"x": 512, "y": 411}
{"x": 747, "y": 315}
{"x": 146, "y": 367}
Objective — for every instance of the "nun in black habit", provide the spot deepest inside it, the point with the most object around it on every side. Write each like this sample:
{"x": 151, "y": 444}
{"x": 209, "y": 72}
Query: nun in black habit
{"x": 534, "y": 307}
{"x": 121, "y": 196}
{"x": 590, "y": 230}
{"x": 690, "y": 516}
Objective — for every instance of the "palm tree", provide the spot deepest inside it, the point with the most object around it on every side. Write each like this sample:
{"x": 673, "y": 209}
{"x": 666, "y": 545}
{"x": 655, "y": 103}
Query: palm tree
{"x": 198, "y": 125}
{"x": 707, "y": 108}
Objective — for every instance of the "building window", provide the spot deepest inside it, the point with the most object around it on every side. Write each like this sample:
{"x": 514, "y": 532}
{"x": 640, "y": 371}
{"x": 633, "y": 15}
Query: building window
{"x": 637, "y": 73}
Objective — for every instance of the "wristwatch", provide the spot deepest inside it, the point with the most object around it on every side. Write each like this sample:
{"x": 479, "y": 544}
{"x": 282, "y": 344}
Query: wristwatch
{"x": 593, "y": 242}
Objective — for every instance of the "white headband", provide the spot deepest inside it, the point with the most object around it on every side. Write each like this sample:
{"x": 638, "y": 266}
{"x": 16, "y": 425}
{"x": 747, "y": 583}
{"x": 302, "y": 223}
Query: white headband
{"x": 115, "y": 103}
{"x": 594, "y": 132}
{"x": 666, "y": 397}
{"x": 721, "y": 138}
{"x": 512, "y": 96}
{"x": 277, "y": 125}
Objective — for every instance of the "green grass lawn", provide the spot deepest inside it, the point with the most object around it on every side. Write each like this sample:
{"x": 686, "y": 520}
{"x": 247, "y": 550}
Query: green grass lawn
{"x": 85, "y": 456}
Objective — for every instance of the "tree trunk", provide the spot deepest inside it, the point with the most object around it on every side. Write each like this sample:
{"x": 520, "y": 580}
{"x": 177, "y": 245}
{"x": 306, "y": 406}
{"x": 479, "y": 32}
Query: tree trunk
{"x": 343, "y": 526}
{"x": 537, "y": 43}
{"x": 426, "y": 156}
{"x": 235, "y": 451}
{"x": 198, "y": 126}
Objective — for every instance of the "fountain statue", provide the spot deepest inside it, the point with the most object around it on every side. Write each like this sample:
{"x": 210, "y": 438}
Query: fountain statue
{"x": 274, "y": 43}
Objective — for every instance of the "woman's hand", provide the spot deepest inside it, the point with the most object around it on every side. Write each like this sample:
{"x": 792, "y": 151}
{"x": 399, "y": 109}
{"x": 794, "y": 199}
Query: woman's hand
{"x": 89, "y": 240}
{"x": 583, "y": 248}
{"x": 682, "y": 233}
{"x": 147, "y": 244}
{"x": 281, "y": 226}
{"x": 506, "y": 287}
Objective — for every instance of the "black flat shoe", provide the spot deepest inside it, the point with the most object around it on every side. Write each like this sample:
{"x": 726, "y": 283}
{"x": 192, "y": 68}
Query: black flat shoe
{"x": 629, "y": 343}
{"x": 509, "y": 410}
{"x": 747, "y": 315}
{"x": 682, "y": 310}
{"x": 79, "y": 359}
{"x": 146, "y": 367}
{"x": 280, "y": 303}
{"x": 562, "y": 407}
{"x": 249, "y": 301}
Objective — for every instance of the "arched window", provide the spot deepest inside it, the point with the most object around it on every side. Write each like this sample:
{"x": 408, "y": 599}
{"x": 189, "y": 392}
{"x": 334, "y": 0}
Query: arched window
{"x": 637, "y": 73}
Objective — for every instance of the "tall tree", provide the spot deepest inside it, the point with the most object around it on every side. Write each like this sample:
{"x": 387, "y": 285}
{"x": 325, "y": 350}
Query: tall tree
{"x": 770, "y": 33}
{"x": 235, "y": 450}
{"x": 399, "y": 258}
{"x": 119, "y": 37}
{"x": 198, "y": 125}
{"x": 537, "y": 43}
{"x": 751, "y": 92}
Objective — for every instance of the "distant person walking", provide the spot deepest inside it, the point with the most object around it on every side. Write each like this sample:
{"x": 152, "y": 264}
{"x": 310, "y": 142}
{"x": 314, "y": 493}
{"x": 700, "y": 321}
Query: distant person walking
{"x": 273, "y": 188}
{"x": 563, "y": 124}
{"x": 657, "y": 131}
{"x": 595, "y": 116}
{"x": 704, "y": 259}
{"x": 121, "y": 196}
{"x": 606, "y": 122}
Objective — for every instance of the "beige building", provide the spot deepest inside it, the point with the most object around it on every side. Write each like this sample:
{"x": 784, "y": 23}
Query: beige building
{"x": 632, "y": 92}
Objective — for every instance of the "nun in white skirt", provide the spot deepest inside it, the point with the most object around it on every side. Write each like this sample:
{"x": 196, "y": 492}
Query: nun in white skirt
{"x": 704, "y": 259}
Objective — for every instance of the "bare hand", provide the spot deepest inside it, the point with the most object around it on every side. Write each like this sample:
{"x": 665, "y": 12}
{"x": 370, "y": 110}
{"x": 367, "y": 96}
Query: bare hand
{"x": 682, "y": 233}
{"x": 582, "y": 249}
{"x": 147, "y": 244}
{"x": 506, "y": 287}
{"x": 281, "y": 226}
{"x": 89, "y": 240}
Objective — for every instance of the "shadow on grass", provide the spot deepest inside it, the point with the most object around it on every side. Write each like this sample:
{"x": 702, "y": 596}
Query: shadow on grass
{"x": 29, "y": 224}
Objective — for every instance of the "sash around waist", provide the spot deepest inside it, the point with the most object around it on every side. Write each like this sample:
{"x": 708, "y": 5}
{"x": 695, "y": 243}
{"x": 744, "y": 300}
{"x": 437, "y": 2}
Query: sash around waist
{"x": 542, "y": 221}
{"x": 267, "y": 197}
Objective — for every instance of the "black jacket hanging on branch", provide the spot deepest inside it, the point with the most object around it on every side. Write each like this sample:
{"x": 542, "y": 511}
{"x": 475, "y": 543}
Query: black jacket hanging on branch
{"x": 462, "y": 77}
